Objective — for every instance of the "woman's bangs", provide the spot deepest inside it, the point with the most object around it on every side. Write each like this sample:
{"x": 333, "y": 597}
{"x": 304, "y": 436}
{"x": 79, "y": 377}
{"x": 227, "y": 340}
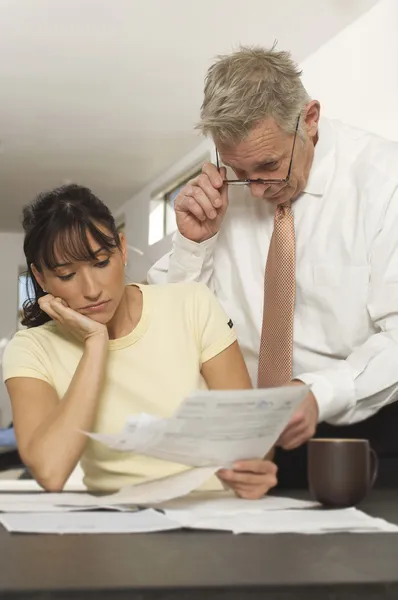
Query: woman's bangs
{"x": 78, "y": 242}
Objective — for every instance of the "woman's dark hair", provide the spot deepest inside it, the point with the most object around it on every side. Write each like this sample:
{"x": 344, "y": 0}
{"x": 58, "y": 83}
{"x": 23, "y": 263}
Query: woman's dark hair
{"x": 56, "y": 225}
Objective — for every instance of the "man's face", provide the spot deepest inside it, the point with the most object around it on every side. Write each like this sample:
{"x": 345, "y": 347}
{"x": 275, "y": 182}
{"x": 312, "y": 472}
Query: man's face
{"x": 266, "y": 154}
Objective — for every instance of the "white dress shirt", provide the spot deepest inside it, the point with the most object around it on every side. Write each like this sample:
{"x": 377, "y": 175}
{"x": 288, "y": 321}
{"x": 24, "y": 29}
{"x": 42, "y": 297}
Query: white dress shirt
{"x": 346, "y": 312}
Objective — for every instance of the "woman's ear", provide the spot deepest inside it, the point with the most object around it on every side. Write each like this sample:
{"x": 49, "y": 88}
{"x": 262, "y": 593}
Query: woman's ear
{"x": 38, "y": 276}
{"x": 123, "y": 248}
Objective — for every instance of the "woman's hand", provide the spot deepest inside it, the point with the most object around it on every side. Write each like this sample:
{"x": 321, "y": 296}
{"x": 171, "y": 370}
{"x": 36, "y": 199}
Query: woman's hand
{"x": 250, "y": 479}
{"x": 79, "y": 325}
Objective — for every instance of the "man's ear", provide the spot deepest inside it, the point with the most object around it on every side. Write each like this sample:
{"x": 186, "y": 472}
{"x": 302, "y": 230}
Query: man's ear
{"x": 311, "y": 117}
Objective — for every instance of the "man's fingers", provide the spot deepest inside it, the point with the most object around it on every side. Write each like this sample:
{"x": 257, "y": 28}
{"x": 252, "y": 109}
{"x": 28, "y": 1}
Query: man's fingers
{"x": 296, "y": 422}
{"x": 216, "y": 178}
{"x": 296, "y": 437}
{"x": 296, "y": 419}
{"x": 196, "y": 202}
{"x": 203, "y": 182}
{"x": 287, "y": 437}
{"x": 295, "y": 442}
{"x": 224, "y": 191}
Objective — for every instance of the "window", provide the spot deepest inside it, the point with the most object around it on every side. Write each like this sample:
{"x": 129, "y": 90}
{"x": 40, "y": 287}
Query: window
{"x": 162, "y": 221}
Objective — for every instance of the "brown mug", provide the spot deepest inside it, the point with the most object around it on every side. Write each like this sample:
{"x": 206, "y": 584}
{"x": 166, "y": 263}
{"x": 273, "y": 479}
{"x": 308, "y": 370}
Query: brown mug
{"x": 341, "y": 471}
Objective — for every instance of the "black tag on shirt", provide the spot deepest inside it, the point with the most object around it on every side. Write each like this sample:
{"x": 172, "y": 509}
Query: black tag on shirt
{"x": 230, "y": 324}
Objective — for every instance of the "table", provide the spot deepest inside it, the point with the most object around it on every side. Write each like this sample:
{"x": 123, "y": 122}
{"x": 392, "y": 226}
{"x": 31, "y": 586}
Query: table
{"x": 205, "y": 565}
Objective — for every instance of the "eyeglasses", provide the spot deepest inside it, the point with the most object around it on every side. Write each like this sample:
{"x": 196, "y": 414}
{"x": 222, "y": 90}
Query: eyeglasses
{"x": 262, "y": 181}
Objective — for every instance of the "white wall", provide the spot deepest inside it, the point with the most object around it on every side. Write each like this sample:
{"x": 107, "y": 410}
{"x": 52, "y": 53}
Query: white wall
{"x": 355, "y": 74}
{"x": 11, "y": 259}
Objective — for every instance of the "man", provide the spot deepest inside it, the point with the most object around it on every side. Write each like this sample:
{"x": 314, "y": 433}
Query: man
{"x": 299, "y": 241}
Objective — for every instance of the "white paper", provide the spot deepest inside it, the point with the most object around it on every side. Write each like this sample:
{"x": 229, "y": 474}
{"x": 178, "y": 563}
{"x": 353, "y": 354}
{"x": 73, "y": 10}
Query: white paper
{"x": 164, "y": 489}
{"x": 97, "y": 522}
{"x": 30, "y": 485}
{"x": 42, "y": 502}
{"x": 221, "y": 503}
{"x": 34, "y": 508}
{"x": 149, "y": 492}
{"x": 212, "y": 428}
{"x": 40, "y": 498}
{"x": 306, "y": 521}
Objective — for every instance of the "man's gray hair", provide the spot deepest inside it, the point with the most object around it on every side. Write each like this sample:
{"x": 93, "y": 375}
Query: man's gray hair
{"x": 248, "y": 86}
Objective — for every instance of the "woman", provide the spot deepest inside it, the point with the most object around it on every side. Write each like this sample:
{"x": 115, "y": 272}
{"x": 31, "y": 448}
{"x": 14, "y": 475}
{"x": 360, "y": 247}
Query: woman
{"x": 96, "y": 350}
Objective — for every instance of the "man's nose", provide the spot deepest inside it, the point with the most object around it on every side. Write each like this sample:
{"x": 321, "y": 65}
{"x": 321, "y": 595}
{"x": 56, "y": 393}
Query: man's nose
{"x": 258, "y": 189}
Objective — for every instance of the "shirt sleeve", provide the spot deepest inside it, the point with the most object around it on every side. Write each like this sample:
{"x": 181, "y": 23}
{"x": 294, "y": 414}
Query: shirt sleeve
{"x": 187, "y": 261}
{"x": 213, "y": 329}
{"x": 25, "y": 357}
{"x": 367, "y": 379}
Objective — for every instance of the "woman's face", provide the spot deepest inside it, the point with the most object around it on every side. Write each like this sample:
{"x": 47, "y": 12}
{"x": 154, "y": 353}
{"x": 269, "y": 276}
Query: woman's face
{"x": 93, "y": 288}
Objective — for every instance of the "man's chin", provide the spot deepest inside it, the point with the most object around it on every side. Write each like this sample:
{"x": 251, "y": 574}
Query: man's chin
{"x": 278, "y": 199}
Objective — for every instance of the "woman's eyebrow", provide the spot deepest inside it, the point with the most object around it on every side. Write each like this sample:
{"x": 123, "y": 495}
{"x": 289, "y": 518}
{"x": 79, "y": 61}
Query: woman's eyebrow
{"x": 67, "y": 264}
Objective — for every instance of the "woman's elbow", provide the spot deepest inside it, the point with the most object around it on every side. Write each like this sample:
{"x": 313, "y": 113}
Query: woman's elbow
{"x": 49, "y": 477}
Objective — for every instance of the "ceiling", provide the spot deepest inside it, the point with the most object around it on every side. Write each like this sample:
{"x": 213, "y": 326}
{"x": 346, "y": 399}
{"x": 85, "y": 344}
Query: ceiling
{"x": 106, "y": 92}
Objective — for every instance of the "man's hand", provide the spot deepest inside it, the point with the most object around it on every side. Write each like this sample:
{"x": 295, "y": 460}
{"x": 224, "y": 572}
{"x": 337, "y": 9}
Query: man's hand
{"x": 302, "y": 425}
{"x": 250, "y": 479}
{"x": 201, "y": 205}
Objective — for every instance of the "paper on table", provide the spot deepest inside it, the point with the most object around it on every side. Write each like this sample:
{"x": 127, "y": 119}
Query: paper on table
{"x": 307, "y": 521}
{"x": 43, "y": 502}
{"x": 40, "y": 498}
{"x": 314, "y": 522}
{"x": 35, "y": 506}
{"x": 212, "y": 428}
{"x": 30, "y": 485}
{"x": 99, "y": 522}
{"x": 149, "y": 492}
{"x": 51, "y": 508}
{"x": 215, "y": 503}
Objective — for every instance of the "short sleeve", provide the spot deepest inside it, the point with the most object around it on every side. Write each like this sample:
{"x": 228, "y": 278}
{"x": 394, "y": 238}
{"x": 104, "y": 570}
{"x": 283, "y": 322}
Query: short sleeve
{"x": 215, "y": 330}
{"x": 25, "y": 357}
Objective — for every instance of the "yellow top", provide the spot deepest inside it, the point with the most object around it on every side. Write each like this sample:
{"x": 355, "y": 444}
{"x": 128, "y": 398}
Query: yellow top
{"x": 151, "y": 370}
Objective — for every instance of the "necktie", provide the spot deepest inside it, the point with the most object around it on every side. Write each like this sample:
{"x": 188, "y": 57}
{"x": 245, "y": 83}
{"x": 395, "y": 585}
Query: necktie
{"x": 276, "y": 348}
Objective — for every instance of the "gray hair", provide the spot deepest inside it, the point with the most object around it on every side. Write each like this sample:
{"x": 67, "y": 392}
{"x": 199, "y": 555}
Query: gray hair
{"x": 248, "y": 86}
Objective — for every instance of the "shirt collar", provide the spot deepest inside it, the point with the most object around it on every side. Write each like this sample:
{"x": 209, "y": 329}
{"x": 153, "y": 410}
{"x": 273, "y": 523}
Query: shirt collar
{"x": 323, "y": 158}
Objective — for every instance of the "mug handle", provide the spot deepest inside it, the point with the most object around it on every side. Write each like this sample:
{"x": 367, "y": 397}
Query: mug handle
{"x": 374, "y": 467}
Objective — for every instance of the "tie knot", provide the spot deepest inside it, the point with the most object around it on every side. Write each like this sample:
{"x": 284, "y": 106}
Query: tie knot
{"x": 283, "y": 210}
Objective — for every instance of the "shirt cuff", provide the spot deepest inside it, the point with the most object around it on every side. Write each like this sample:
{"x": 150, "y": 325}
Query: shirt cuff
{"x": 183, "y": 244}
{"x": 334, "y": 392}
{"x": 189, "y": 257}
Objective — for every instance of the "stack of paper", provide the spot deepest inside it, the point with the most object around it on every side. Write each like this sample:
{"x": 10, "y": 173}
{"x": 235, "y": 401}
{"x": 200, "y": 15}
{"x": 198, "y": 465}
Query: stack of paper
{"x": 269, "y": 515}
{"x": 311, "y": 521}
{"x": 147, "y": 493}
{"x": 144, "y": 521}
{"x": 216, "y": 503}
{"x": 299, "y": 520}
